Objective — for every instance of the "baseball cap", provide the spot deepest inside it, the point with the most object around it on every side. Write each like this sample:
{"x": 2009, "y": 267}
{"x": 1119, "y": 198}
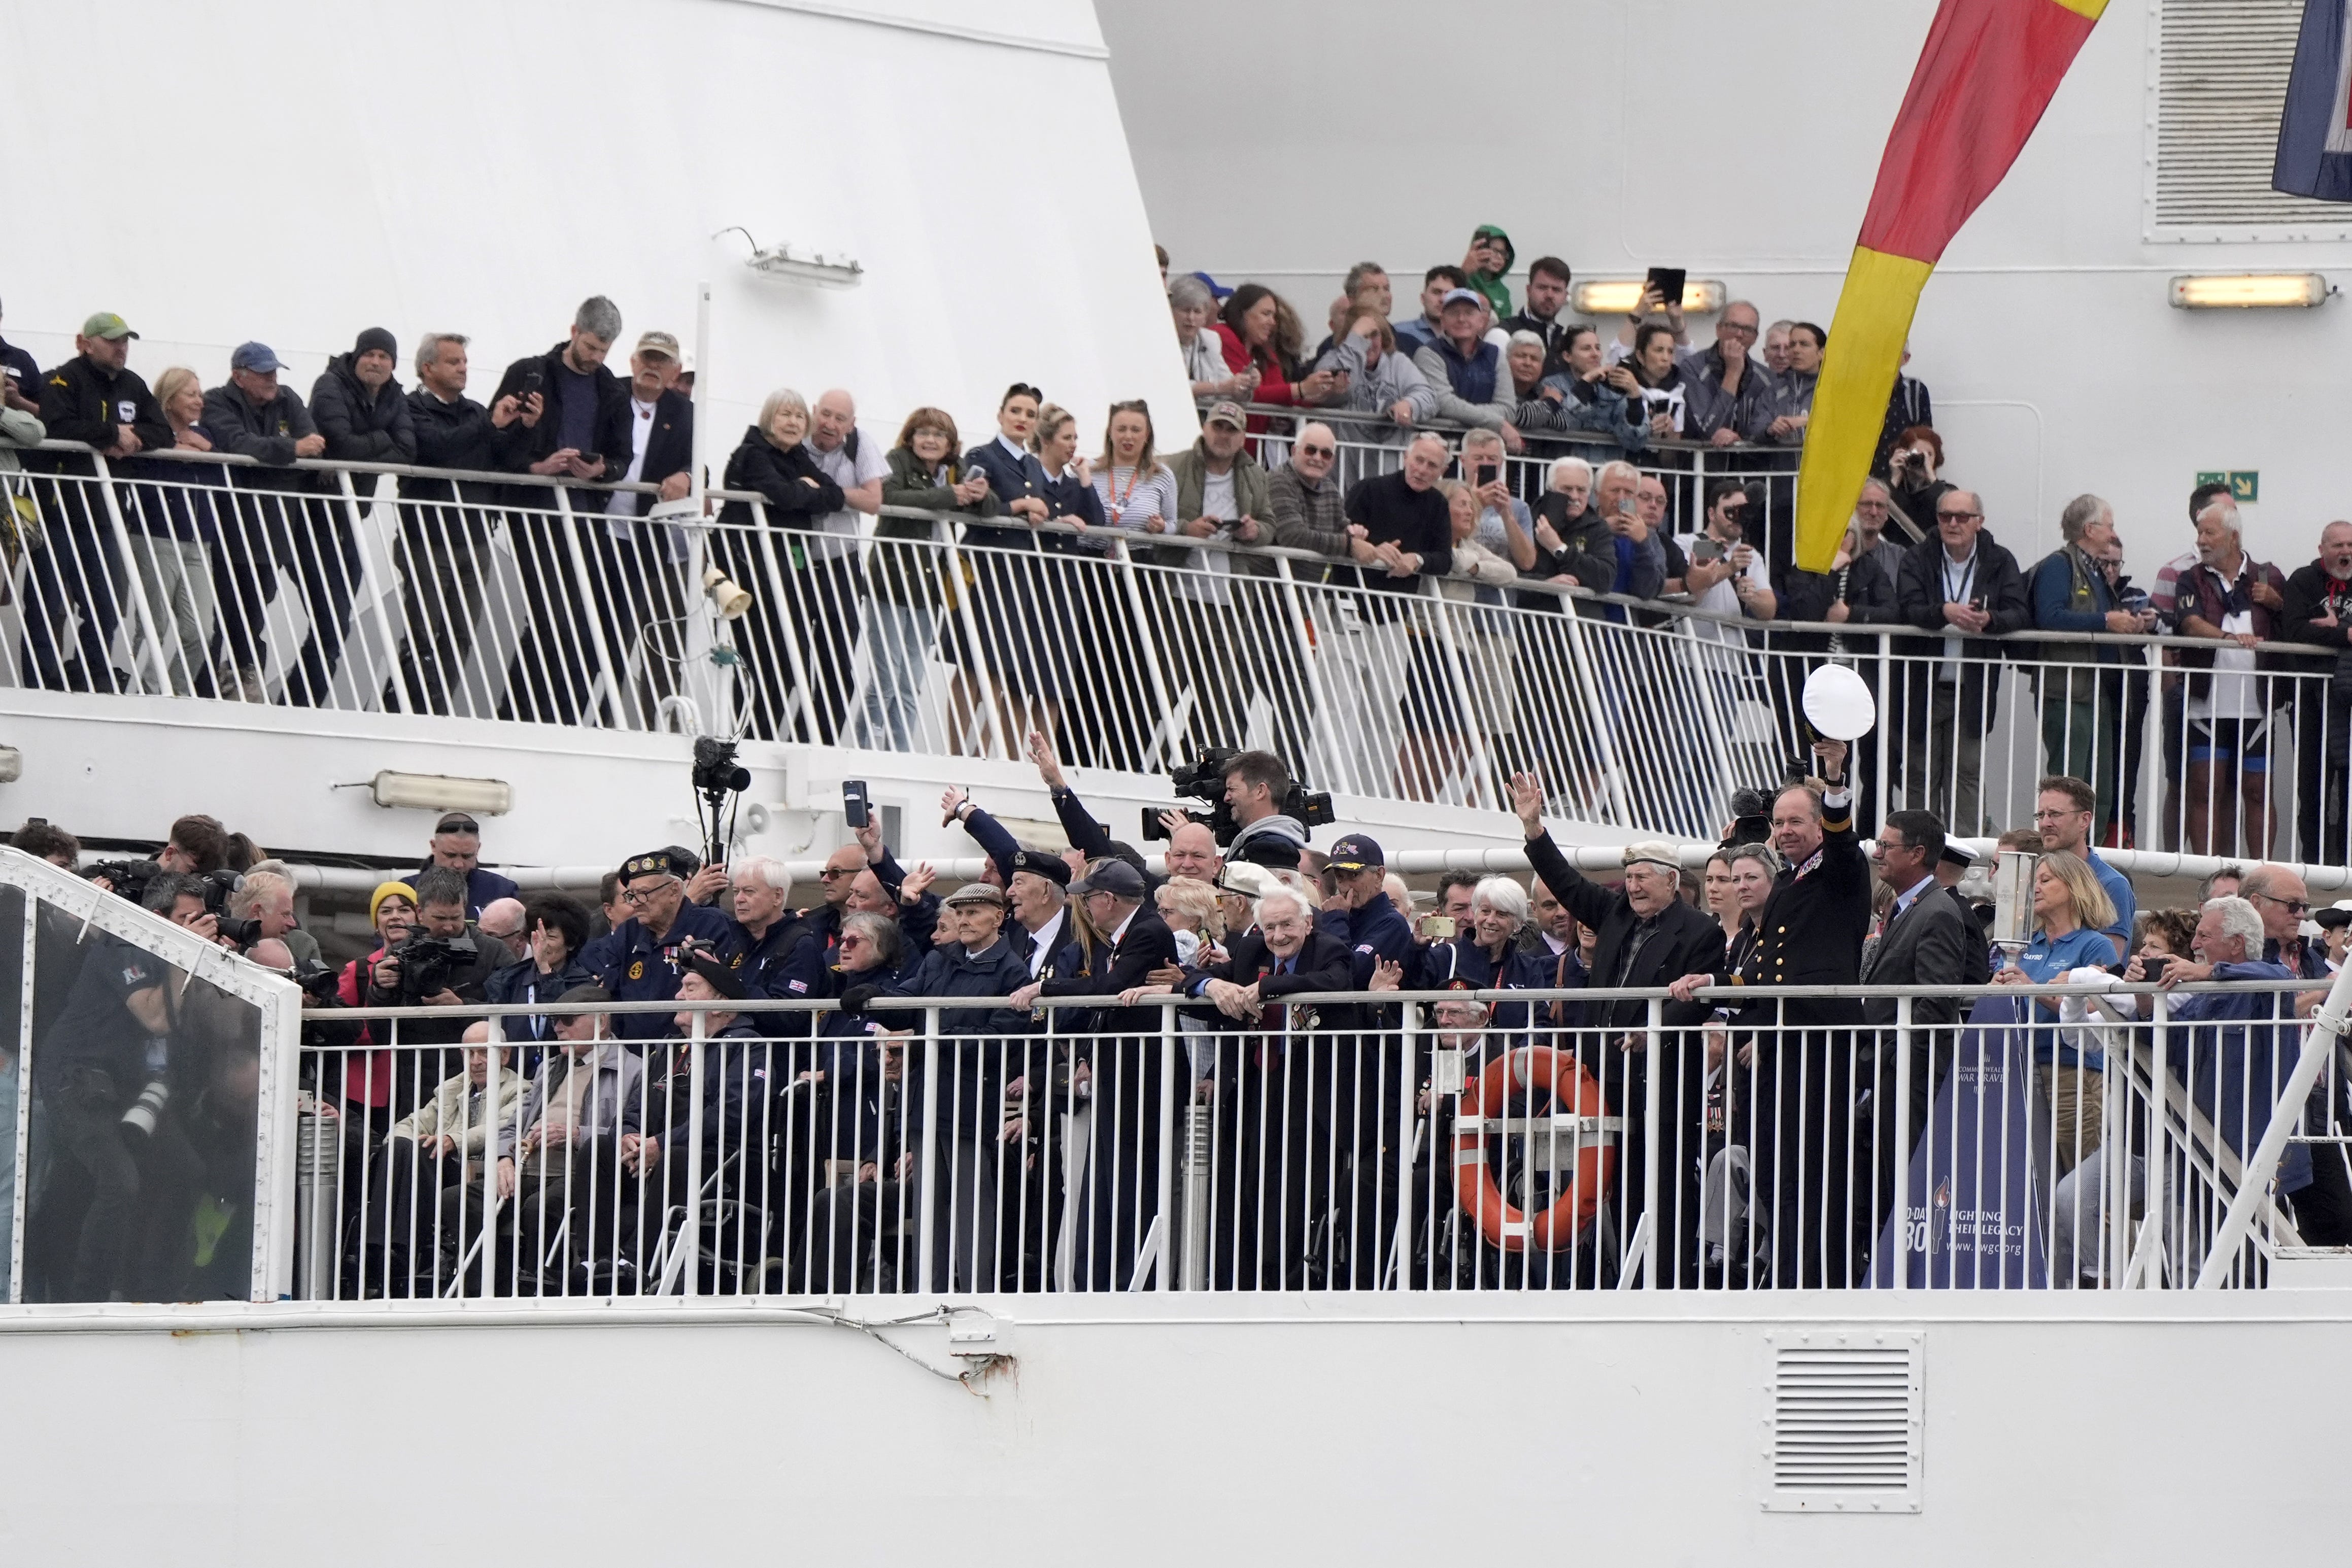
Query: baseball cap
{"x": 1356, "y": 853}
{"x": 976, "y": 893}
{"x": 1227, "y": 413}
{"x": 1042, "y": 863}
{"x": 1460, "y": 295}
{"x": 1248, "y": 881}
{"x": 257, "y": 357}
{"x": 1116, "y": 877}
{"x": 661, "y": 344}
{"x": 108, "y": 325}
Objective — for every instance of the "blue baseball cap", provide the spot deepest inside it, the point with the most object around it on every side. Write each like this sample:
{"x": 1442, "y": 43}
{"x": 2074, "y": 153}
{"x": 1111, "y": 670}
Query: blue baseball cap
{"x": 259, "y": 358}
{"x": 1356, "y": 853}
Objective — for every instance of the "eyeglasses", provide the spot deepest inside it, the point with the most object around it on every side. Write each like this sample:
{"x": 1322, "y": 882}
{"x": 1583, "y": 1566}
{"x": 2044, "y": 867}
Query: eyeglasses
{"x": 1957, "y": 516}
{"x": 830, "y": 872}
{"x": 2058, "y": 814}
{"x": 1308, "y": 449}
{"x": 1734, "y": 329}
{"x": 642, "y": 895}
{"x": 2292, "y": 905}
{"x": 850, "y": 940}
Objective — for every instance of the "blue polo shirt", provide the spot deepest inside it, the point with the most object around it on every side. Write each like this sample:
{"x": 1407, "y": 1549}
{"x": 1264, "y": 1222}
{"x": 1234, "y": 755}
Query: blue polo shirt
{"x": 2119, "y": 894}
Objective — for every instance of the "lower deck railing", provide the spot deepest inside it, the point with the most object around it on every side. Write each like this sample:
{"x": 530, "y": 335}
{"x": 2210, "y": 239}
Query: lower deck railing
{"x": 2009, "y": 1138}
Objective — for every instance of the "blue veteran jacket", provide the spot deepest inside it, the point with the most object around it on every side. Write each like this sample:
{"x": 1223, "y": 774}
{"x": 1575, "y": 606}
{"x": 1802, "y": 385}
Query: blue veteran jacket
{"x": 634, "y": 966}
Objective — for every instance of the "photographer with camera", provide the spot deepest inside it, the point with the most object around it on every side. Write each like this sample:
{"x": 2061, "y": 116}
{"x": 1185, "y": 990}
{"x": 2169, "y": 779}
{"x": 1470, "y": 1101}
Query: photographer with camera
{"x": 638, "y": 960}
{"x": 102, "y": 1090}
{"x": 441, "y": 964}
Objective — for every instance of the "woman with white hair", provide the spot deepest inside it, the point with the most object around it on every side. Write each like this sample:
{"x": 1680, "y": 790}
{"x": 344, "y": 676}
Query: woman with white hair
{"x": 772, "y": 462}
{"x": 1488, "y": 957}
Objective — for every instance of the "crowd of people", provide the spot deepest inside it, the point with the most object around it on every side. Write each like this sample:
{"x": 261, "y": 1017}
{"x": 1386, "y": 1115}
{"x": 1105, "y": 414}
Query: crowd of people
{"x": 990, "y": 1069}
{"x": 1464, "y": 503}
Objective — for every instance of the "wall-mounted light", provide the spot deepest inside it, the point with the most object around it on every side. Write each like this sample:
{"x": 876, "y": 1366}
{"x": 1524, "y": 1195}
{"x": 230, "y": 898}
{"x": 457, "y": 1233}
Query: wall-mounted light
{"x": 834, "y": 271}
{"x": 1618, "y": 295}
{"x": 2250, "y": 291}
{"x": 12, "y": 764}
{"x": 440, "y": 791}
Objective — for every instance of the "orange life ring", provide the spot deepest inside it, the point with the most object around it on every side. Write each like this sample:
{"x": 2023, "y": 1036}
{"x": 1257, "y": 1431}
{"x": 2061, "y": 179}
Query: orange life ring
{"x": 1574, "y": 1091}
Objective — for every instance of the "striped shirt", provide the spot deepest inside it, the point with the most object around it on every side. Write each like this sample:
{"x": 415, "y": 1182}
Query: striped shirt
{"x": 1129, "y": 501}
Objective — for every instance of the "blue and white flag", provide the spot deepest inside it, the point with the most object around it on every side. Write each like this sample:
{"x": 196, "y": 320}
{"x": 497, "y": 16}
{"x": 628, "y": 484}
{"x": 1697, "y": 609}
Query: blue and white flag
{"x": 2314, "y": 149}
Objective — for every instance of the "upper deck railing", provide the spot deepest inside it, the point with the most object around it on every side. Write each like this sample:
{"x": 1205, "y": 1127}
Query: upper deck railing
{"x": 516, "y": 599}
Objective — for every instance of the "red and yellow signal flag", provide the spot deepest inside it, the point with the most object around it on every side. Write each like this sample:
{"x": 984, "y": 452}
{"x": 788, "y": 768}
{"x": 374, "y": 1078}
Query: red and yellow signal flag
{"x": 1986, "y": 75}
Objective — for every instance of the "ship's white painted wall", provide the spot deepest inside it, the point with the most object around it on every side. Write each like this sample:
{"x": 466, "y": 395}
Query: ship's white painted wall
{"x": 2159, "y": 1430}
{"x": 1284, "y": 142}
{"x": 296, "y": 172}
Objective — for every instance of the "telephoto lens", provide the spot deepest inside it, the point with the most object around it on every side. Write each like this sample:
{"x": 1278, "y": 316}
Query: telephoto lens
{"x": 148, "y": 1109}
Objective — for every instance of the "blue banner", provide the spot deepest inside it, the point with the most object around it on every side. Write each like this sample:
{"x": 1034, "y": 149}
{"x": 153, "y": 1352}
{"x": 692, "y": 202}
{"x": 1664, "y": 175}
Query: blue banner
{"x": 2314, "y": 149}
{"x": 1974, "y": 1221}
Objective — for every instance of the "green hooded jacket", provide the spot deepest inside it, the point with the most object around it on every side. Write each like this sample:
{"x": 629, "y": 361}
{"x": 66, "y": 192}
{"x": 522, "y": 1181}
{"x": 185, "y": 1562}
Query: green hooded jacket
{"x": 1491, "y": 284}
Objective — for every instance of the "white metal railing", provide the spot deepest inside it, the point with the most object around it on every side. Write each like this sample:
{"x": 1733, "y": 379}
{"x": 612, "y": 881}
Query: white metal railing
{"x": 1134, "y": 650}
{"x": 1512, "y": 1139}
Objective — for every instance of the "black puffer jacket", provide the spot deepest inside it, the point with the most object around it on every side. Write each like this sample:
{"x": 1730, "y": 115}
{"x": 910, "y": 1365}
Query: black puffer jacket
{"x": 361, "y": 426}
{"x": 794, "y": 488}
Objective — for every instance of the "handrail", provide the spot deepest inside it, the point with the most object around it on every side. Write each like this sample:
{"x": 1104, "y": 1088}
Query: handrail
{"x": 1186, "y": 542}
{"x": 1374, "y": 998}
{"x": 1325, "y": 413}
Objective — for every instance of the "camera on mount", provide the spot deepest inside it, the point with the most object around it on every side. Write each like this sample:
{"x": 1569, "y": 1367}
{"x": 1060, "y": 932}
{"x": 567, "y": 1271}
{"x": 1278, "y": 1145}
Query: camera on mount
{"x": 1205, "y": 780}
{"x": 717, "y": 776}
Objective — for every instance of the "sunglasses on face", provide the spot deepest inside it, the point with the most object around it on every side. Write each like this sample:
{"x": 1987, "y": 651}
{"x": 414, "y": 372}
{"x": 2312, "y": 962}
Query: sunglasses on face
{"x": 1307, "y": 449}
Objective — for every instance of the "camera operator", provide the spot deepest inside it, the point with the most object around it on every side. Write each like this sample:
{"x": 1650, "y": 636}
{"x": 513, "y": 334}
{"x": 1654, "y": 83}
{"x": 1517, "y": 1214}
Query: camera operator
{"x": 638, "y": 960}
{"x": 441, "y": 964}
{"x": 102, "y": 1099}
{"x": 1256, "y": 786}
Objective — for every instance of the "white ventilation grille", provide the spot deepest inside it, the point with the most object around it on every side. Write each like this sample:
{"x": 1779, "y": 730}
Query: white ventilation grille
{"x": 1847, "y": 1420}
{"x": 2220, "y": 78}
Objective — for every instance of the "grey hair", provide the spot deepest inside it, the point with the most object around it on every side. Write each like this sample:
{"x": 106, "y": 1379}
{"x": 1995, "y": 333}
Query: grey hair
{"x": 2080, "y": 512}
{"x": 1764, "y": 854}
{"x": 1358, "y": 273}
{"x": 1186, "y": 291}
{"x": 1426, "y": 436}
{"x": 765, "y": 869}
{"x": 599, "y": 318}
{"x": 1564, "y": 464}
{"x": 1876, "y": 483}
{"x": 1504, "y": 896}
{"x": 2239, "y": 919}
{"x": 1618, "y": 469}
{"x": 1525, "y": 336}
{"x": 255, "y": 886}
{"x": 781, "y": 398}
{"x": 1280, "y": 894}
{"x": 1481, "y": 438}
{"x": 2231, "y": 520}
{"x": 428, "y": 348}
{"x": 881, "y": 931}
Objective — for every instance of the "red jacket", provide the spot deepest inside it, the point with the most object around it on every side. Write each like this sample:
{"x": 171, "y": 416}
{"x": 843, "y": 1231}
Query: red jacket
{"x": 1274, "y": 385}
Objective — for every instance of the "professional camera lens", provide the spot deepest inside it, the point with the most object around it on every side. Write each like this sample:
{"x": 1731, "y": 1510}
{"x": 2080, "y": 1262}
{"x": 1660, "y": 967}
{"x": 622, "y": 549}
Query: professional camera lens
{"x": 148, "y": 1109}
